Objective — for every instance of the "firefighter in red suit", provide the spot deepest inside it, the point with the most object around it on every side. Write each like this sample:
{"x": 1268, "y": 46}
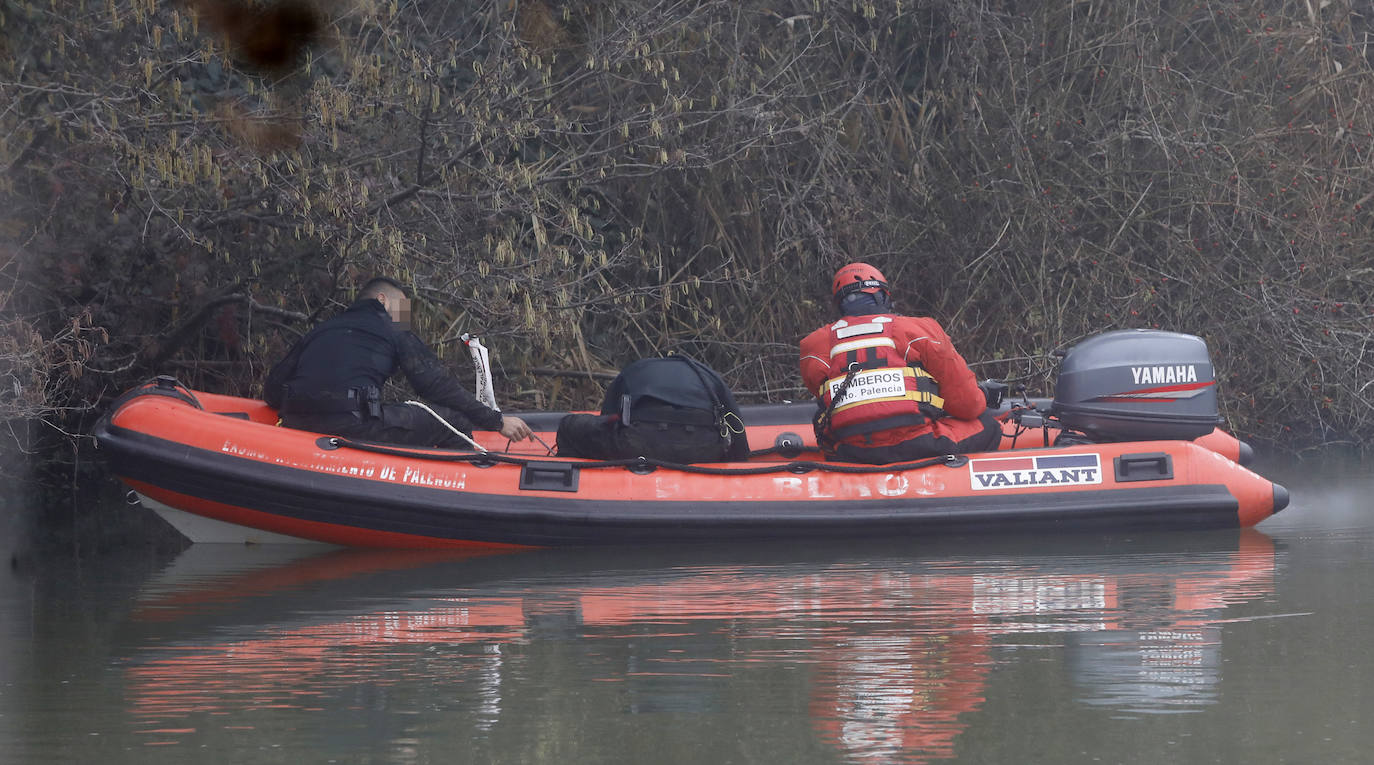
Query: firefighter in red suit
{"x": 904, "y": 393}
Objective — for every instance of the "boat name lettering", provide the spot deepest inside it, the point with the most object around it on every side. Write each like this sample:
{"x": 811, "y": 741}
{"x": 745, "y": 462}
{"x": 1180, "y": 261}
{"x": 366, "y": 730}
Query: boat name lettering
{"x": 891, "y": 485}
{"x": 1032, "y": 472}
{"x": 422, "y": 478}
{"x": 362, "y": 471}
{"x": 894, "y": 485}
{"x": 232, "y": 448}
{"x": 1179, "y": 373}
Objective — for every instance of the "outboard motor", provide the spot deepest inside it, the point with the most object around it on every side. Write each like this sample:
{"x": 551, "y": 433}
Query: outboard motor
{"x": 1137, "y": 385}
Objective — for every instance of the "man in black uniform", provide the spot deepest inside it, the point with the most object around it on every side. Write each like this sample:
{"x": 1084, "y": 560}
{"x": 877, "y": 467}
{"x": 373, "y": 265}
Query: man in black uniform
{"x": 331, "y": 380}
{"x": 674, "y": 409}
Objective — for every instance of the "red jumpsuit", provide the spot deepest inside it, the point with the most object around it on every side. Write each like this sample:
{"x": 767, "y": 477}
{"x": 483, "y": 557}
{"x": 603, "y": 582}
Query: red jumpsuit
{"x": 886, "y": 425}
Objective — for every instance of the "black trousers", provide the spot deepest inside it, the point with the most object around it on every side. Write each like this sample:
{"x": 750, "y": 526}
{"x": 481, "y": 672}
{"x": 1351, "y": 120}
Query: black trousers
{"x": 923, "y": 446}
{"x": 399, "y": 424}
{"x": 602, "y": 437}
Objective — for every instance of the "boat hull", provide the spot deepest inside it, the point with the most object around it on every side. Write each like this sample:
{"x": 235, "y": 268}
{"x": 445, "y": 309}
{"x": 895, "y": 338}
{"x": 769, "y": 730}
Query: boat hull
{"x": 226, "y": 463}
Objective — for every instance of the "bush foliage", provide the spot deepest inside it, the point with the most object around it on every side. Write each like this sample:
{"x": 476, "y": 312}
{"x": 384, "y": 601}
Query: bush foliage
{"x": 586, "y": 183}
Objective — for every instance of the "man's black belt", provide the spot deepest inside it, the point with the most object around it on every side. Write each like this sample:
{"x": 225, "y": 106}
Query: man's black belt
{"x": 364, "y": 401}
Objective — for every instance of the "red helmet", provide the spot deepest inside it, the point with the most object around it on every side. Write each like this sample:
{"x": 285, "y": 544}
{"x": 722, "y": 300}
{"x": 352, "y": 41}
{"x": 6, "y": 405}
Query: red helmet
{"x": 856, "y": 277}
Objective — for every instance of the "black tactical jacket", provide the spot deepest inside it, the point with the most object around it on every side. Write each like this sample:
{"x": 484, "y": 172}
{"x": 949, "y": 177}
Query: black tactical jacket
{"x": 359, "y": 349}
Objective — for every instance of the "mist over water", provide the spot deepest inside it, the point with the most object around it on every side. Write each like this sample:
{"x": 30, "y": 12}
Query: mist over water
{"x": 1331, "y": 493}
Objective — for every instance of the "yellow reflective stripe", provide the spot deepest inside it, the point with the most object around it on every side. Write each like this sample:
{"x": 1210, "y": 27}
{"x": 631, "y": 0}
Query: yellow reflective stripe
{"x": 919, "y": 397}
{"x": 867, "y": 342}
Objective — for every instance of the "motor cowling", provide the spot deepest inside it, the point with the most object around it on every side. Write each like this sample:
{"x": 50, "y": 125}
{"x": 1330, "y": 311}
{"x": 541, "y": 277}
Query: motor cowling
{"x": 1137, "y": 385}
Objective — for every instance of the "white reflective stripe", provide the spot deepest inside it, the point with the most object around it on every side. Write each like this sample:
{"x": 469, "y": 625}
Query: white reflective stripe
{"x": 867, "y": 342}
{"x": 842, "y": 323}
{"x": 823, "y": 362}
{"x": 906, "y": 355}
{"x": 858, "y": 329}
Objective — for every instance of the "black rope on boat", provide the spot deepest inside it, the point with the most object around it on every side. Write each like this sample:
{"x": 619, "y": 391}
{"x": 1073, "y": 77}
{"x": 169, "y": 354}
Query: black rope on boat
{"x": 162, "y": 385}
{"x": 768, "y": 452}
{"x": 486, "y": 459}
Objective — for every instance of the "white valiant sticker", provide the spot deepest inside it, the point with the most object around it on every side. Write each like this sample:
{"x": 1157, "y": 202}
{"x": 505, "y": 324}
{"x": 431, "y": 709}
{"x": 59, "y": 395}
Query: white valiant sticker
{"x": 1035, "y": 472}
{"x": 1178, "y": 373}
{"x": 870, "y": 385}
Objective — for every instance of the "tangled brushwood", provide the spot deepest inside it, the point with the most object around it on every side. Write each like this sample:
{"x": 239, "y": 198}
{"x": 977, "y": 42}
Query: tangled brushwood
{"x": 586, "y": 183}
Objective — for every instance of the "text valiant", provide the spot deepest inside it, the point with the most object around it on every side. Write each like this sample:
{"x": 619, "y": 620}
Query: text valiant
{"x": 1035, "y": 472}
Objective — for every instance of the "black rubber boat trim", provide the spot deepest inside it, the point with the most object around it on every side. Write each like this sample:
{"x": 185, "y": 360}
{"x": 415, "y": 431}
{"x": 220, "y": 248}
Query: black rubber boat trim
{"x": 538, "y": 519}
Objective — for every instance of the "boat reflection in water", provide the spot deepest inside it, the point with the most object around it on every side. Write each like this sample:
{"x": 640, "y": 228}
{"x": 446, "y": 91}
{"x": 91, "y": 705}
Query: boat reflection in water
{"x": 879, "y": 656}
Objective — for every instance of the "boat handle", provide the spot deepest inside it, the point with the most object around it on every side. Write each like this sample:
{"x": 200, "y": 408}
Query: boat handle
{"x": 1150, "y": 466}
{"x": 549, "y": 476}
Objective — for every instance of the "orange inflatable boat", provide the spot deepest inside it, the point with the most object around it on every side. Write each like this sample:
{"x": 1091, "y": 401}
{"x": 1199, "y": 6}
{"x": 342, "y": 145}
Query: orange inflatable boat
{"x": 1129, "y": 441}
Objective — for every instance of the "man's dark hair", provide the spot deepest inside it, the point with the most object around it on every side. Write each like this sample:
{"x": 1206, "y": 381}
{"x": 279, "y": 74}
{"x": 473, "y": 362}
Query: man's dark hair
{"x": 377, "y": 283}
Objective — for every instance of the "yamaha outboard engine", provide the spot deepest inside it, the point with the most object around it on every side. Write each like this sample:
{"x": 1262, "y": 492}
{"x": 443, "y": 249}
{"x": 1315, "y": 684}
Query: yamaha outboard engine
{"x": 1137, "y": 385}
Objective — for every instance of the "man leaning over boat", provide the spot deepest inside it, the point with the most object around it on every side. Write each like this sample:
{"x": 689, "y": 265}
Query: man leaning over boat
{"x": 890, "y": 388}
{"x": 331, "y": 380}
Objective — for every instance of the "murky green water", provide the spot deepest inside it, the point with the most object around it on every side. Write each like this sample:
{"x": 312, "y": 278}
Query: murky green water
{"x": 1176, "y": 648}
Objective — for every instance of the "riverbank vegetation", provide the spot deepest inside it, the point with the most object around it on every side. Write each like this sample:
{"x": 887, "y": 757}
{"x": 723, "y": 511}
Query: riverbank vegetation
{"x": 189, "y": 185}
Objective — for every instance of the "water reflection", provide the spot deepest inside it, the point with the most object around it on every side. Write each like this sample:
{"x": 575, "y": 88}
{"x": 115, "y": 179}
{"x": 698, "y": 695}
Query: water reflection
{"x": 879, "y": 657}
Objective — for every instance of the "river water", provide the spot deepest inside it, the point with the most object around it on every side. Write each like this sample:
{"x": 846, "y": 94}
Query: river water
{"x": 1231, "y": 647}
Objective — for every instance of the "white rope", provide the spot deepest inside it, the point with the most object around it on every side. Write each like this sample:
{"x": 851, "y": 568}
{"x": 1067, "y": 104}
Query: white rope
{"x": 436, "y": 416}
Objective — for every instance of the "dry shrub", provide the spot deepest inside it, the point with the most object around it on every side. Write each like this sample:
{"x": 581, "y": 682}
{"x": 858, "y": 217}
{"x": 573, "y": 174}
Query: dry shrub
{"x": 585, "y": 183}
